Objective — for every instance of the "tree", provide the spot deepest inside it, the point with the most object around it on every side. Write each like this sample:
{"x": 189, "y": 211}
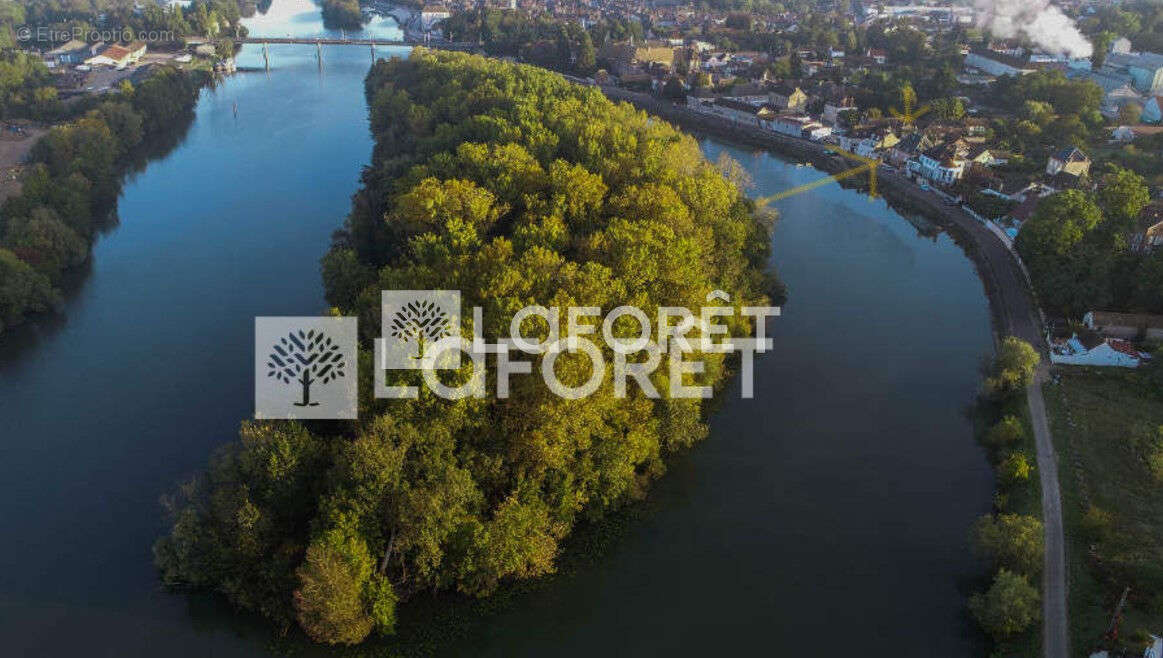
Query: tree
{"x": 1059, "y": 222}
{"x": 1013, "y": 368}
{"x": 1008, "y": 607}
{"x": 341, "y": 599}
{"x": 948, "y": 109}
{"x": 1129, "y": 113}
{"x": 1102, "y": 43}
{"x": 1153, "y": 455}
{"x": 587, "y": 58}
{"x": 673, "y": 89}
{"x": 1015, "y": 468}
{"x": 1007, "y": 432}
{"x": 1122, "y": 195}
{"x": 1011, "y": 541}
{"x": 23, "y": 290}
{"x": 305, "y": 358}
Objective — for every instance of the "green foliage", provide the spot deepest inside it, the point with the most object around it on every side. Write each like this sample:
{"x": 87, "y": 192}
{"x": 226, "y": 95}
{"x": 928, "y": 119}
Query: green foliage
{"x": 1008, "y": 607}
{"x": 542, "y": 40}
{"x": 44, "y": 242}
{"x": 514, "y": 187}
{"x": 341, "y": 598}
{"x": 1096, "y": 524}
{"x": 1077, "y": 249}
{"x": 74, "y": 180}
{"x": 342, "y": 14}
{"x": 23, "y": 290}
{"x": 1015, "y": 468}
{"x": 948, "y": 109}
{"x": 1012, "y": 369}
{"x": 1153, "y": 455}
{"x": 240, "y": 528}
{"x": 209, "y": 18}
{"x": 1011, "y": 541}
{"x": 1007, "y": 432}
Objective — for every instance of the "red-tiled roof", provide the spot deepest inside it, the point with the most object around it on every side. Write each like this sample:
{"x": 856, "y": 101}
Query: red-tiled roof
{"x": 1123, "y": 347}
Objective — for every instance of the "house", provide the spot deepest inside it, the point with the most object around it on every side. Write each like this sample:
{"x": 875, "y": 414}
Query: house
{"x": 1144, "y": 69}
{"x": 1070, "y": 160}
{"x": 430, "y": 15}
{"x": 910, "y": 146}
{"x": 1122, "y": 134}
{"x": 119, "y": 56}
{"x": 1117, "y": 88}
{"x": 833, "y": 110}
{"x": 1125, "y": 325}
{"x": 1096, "y": 351}
{"x": 995, "y": 63}
{"x": 1150, "y": 228}
{"x": 866, "y": 141}
{"x": 1121, "y": 45}
{"x": 877, "y": 55}
{"x": 1020, "y": 213}
{"x": 787, "y": 97}
{"x": 733, "y": 109}
{"x": 799, "y": 126}
{"x": 73, "y": 52}
{"x": 1152, "y": 110}
{"x": 943, "y": 163}
{"x": 648, "y": 54}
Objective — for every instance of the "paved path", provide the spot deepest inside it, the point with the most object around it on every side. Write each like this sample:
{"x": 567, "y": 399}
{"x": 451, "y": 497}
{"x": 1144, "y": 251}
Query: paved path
{"x": 1014, "y": 309}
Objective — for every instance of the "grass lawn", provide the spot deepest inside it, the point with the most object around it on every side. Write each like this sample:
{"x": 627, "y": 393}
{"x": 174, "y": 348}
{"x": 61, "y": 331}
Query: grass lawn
{"x": 1105, "y": 421}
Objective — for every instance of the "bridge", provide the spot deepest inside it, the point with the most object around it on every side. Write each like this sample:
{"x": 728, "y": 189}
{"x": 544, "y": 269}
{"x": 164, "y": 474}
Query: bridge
{"x": 308, "y": 41}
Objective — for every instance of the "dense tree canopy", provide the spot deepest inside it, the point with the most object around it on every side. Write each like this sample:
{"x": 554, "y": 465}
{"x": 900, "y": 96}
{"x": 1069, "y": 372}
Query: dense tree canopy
{"x": 1009, "y": 606}
{"x": 514, "y": 187}
{"x": 1077, "y": 247}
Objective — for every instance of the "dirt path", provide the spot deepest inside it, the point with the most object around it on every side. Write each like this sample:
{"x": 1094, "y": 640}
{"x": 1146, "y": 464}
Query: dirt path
{"x": 13, "y": 151}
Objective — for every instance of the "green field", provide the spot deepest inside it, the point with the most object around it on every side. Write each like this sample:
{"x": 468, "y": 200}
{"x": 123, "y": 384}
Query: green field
{"x": 1106, "y": 425}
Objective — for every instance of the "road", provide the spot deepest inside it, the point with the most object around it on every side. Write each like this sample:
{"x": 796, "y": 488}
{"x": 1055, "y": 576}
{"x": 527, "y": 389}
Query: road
{"x": 1015, "y": 312}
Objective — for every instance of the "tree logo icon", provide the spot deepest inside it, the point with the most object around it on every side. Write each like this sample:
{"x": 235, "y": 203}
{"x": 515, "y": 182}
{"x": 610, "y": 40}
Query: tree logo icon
{"x": 420, "y": 321}
{"x": 306, "y": 358}
{"x": 306, "y": 367}
{"x": 413, "y": 320}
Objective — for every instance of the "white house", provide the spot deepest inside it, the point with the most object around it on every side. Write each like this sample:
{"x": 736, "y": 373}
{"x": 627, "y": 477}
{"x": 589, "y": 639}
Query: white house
{"x": 430, "y": 15}
{"x": 1106, "y": 352}
{"x": 943, "y": 163}
{"x": 799, "y": 126}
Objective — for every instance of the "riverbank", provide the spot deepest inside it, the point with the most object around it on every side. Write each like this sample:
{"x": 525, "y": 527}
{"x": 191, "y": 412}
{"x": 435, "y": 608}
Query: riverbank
{"x": 68, "y": 190}
{"x": 1012, "y": 305}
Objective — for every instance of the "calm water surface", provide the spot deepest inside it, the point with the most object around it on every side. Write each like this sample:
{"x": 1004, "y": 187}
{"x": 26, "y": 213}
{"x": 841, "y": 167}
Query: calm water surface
{"x": 827, "y": 515}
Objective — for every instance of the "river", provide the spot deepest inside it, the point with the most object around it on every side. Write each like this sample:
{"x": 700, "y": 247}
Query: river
{"x": 828, "y": 515}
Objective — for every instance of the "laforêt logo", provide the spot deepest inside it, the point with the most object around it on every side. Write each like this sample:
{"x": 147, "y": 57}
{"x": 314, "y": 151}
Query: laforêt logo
{"x": 304, "y": 358}
{"x": 420, "y": 322}
{"x": 305, "y": 367}
{"x": 414, "y": 320}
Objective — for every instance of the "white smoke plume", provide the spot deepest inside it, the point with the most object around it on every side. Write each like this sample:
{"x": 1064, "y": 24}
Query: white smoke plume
{"x": 1037, "y": 20}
